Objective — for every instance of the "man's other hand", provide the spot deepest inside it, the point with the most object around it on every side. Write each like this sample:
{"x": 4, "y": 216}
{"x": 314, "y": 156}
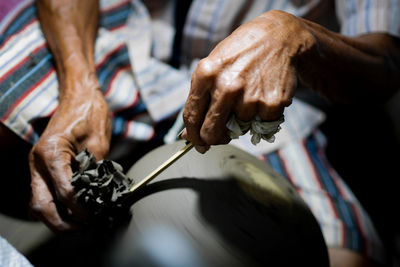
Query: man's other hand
{"x": 81, "y": 121}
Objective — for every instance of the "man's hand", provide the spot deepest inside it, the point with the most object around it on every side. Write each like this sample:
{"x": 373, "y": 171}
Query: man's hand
{"x": 82, "y": 118}
{"x": 252, "y": 72}
{"x": 81, "y": 121}
{"x": 255, "y": 71}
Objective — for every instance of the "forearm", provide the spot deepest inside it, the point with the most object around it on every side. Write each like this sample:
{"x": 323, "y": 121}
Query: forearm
{"x": 70, "y": 28}
{"x": 349, "y": 68}
{"x": 81, "y": 120}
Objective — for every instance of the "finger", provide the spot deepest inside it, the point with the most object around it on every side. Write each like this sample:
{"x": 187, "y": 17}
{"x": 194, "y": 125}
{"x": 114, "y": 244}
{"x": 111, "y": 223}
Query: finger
{"x": 197, "y": 102}
{"x": 98, "y": 146}
{"x": 99, "y": 142}
{"x": 213, "y": 130}
{"x": 43, "y": 206}
{"x": 246, "y": 107}
{"x": 61, "y": 175}
{"x": 275, "y": 100}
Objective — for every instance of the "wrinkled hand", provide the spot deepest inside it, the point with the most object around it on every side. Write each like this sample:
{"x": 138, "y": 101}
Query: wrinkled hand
{"x": 251, "y": 72}
{"x": 81, "y": 121}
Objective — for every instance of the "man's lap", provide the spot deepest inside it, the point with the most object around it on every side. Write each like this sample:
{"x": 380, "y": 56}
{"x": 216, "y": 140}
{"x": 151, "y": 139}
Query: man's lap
{"x": 343, "y": 221}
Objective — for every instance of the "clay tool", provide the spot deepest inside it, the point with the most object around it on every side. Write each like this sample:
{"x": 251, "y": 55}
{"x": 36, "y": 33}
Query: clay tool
{"x": 162, "y": 167}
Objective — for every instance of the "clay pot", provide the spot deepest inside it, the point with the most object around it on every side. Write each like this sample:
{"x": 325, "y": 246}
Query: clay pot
{"x": 222, "y": 208}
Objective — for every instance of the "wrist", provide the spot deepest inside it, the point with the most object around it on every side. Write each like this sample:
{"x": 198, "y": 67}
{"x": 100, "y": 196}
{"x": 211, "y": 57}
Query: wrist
{"x": 315, "y": 64}
{"x": 291, "y": 33}
{"x": 78, "y": 84}
{"x": 73, "y": 61}
{"x": 76, "y": 74}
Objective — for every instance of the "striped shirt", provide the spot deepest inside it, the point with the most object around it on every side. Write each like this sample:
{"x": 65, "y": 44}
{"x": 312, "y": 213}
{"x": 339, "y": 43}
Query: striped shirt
{"x": 129, "y": 50}
{"x": 28, "y": 82}
{"x": 210, "y": 21}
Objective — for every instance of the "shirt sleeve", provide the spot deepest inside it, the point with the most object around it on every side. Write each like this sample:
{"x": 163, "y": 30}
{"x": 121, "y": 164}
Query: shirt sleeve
{"x": 357, "y": 17}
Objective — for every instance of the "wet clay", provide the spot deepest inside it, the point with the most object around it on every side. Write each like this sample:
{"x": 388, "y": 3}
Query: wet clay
{"x": 100, "y": 186}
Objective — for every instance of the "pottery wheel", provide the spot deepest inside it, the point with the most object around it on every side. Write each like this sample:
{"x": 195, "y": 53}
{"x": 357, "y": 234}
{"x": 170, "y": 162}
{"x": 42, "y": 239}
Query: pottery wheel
{"x": 230, "y": 209}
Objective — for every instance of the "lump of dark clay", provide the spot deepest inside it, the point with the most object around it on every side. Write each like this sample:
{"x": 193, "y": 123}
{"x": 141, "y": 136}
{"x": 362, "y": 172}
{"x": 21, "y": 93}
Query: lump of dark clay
{"x": 100, "y": 187}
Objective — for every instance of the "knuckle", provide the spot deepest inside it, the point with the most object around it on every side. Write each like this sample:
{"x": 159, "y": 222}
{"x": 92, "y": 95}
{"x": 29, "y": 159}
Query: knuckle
{"x": 99, "y": 146}
{"x": 206, "y": 69}
{"x": 273, "y": 100}
{"x": 104, "y": 148}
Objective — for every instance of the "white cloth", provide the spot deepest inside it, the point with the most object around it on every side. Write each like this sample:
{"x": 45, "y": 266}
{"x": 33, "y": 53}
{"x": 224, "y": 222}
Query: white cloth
{"x": 258, "y": 129}
{"x": 301, "y": 119}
